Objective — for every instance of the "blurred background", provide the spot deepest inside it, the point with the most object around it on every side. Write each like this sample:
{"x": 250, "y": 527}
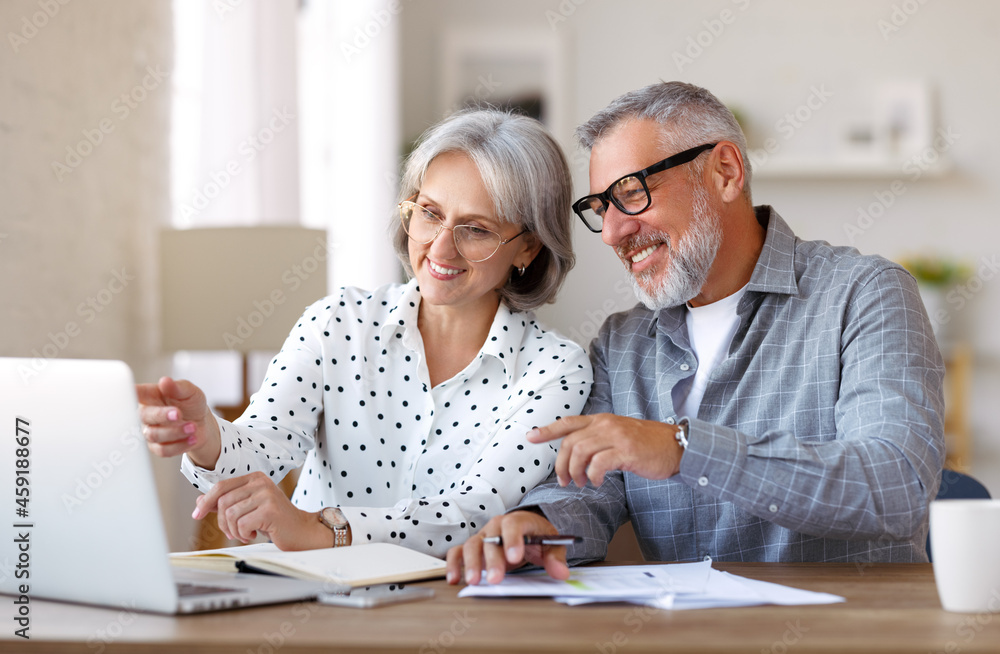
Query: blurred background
{"x": 871, "y": 123}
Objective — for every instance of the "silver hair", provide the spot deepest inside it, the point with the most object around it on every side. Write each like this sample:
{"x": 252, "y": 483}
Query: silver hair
{"x": 690, "y": 116}
{"x": 526, "y": 175}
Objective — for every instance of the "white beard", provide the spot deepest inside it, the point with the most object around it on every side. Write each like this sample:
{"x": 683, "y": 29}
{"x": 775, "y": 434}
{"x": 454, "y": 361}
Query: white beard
{"x": 689, "y": 262}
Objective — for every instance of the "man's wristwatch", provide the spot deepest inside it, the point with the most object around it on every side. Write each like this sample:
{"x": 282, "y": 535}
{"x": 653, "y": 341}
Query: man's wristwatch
{"x": 335, "y": 519}
{"x": 682, "y": 434}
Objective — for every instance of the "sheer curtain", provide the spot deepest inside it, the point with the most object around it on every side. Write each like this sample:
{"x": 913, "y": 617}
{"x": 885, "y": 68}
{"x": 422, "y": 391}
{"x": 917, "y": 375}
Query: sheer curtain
{"x": 236, "y": 120}
{"x": 275, "y": 122}
{"x": 349, "y": 68}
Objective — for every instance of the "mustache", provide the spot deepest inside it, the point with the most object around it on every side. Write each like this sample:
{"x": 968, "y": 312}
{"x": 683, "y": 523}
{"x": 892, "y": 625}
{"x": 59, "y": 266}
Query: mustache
{"x": 641, "y": 242}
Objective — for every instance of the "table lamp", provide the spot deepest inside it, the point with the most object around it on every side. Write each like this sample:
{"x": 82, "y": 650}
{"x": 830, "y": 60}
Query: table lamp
{"x": 238, "y": 288}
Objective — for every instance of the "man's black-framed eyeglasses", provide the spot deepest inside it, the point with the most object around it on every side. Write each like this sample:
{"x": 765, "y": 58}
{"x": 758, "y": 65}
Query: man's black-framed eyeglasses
{"x": 630, "y": 193}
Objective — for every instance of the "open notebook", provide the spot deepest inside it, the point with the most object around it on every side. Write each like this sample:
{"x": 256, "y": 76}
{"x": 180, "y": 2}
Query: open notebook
{"x": 359, "y": 565}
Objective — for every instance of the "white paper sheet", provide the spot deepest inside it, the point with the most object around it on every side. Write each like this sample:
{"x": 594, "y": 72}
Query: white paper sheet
{"x": 603, "y": 583}
{"x": 674, "y": 586}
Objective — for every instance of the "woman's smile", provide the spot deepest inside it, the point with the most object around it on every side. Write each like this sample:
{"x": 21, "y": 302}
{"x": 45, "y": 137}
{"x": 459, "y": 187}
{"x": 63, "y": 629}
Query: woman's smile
{"x": 442, "y": 272}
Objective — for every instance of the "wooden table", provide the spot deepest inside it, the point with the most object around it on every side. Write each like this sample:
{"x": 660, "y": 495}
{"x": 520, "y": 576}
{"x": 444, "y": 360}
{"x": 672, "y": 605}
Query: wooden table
{"x": 889, "y": 608}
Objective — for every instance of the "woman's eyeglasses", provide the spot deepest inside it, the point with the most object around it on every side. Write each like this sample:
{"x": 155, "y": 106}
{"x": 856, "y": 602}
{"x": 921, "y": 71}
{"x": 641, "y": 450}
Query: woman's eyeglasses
{"x": 474, "y": 243}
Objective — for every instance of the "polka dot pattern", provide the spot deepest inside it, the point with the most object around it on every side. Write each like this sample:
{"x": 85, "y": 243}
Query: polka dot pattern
{"x": 409, "y": 464}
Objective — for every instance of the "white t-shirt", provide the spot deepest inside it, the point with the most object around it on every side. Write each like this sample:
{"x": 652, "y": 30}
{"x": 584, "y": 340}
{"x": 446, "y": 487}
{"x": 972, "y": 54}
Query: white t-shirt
{"x": 710, "y": 329}
{"x": 349, "y": 400}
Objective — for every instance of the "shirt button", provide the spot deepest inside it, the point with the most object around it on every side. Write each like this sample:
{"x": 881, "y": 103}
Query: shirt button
{"x": 670, "y": 421}
{"x": 703, "y": 481}
{"x": 773, "y": 508}
{"x": 685, "y": 366}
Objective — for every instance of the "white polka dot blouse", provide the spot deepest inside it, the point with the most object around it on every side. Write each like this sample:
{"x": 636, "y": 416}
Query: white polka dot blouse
{"x": 348, "y": 398}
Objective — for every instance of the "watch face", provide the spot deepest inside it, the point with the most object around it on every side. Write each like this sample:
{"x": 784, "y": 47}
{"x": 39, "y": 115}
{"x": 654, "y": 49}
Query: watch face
{"x": 334, "y": 517}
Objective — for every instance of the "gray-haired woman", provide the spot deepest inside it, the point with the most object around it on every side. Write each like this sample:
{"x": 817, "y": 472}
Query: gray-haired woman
{"x": 406, "y": 407}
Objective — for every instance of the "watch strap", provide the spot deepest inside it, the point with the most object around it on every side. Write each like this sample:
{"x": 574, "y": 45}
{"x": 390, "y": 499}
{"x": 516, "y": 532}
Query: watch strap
{"x": 334, "y": 519}
{"x": 682, "y": 433}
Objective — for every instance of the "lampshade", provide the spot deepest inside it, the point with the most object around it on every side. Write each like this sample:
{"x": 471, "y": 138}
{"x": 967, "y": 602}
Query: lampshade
{"x": 238, "y": 288}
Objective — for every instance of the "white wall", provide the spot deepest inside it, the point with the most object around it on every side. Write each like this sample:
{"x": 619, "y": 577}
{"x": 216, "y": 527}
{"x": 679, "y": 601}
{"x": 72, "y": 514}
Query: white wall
{"x": 75, "y": 244}
{"x": 767, "y": 58}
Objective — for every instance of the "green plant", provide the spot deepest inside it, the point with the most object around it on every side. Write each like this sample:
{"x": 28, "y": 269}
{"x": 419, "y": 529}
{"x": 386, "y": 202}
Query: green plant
{"x": 935, "y": 271}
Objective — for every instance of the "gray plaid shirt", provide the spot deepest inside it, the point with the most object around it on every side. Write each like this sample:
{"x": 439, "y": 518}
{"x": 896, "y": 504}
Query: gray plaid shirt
{"x": 819, "y": 438}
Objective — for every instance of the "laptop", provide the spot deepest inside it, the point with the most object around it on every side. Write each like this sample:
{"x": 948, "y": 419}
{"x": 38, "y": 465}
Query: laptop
{"x": 81, "y": 522}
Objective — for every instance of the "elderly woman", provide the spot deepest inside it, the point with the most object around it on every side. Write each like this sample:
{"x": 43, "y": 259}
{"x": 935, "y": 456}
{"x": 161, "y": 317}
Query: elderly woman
{"x": 406, "y": 406}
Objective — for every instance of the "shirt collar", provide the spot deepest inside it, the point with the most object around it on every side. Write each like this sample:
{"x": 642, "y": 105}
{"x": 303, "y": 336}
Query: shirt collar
{"x": 502, "y": 343}
{"x": 506, "y": 336}
{"x": 775, "y": 269}
{"x": 402, "y": 314}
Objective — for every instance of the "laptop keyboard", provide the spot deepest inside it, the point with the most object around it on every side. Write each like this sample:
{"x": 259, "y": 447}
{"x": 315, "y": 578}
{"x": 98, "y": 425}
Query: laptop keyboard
{"x": 185, "y": 589}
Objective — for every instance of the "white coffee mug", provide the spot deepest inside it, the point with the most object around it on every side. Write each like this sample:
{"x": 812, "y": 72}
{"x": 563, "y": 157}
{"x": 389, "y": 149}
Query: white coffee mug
{"x": 965, "y": 545}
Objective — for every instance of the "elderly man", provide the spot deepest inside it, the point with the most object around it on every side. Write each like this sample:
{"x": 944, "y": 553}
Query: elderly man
{"x": 774, "y": 400}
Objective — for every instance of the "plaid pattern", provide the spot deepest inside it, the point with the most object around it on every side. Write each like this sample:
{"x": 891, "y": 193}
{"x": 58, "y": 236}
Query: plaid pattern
{"x": 819, "y": 438}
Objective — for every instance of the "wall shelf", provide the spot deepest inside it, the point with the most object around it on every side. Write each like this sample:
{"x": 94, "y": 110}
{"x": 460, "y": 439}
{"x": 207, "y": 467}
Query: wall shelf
{"x": 801, "y": 167}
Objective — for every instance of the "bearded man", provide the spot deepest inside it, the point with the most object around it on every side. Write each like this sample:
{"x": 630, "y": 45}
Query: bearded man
{"x": 773, "y": 399}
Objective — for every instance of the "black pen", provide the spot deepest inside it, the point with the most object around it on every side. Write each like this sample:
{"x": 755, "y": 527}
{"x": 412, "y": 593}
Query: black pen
{"x": 554, "y": 539}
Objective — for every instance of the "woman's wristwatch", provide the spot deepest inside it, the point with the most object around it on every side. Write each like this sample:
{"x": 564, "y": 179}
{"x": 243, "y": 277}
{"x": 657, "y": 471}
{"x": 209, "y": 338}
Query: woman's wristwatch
{"x": 335, "y": 519}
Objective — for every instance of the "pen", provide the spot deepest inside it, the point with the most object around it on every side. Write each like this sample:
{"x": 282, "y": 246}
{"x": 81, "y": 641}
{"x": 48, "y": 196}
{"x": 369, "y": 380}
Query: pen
{"x": 554, "y": 539}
